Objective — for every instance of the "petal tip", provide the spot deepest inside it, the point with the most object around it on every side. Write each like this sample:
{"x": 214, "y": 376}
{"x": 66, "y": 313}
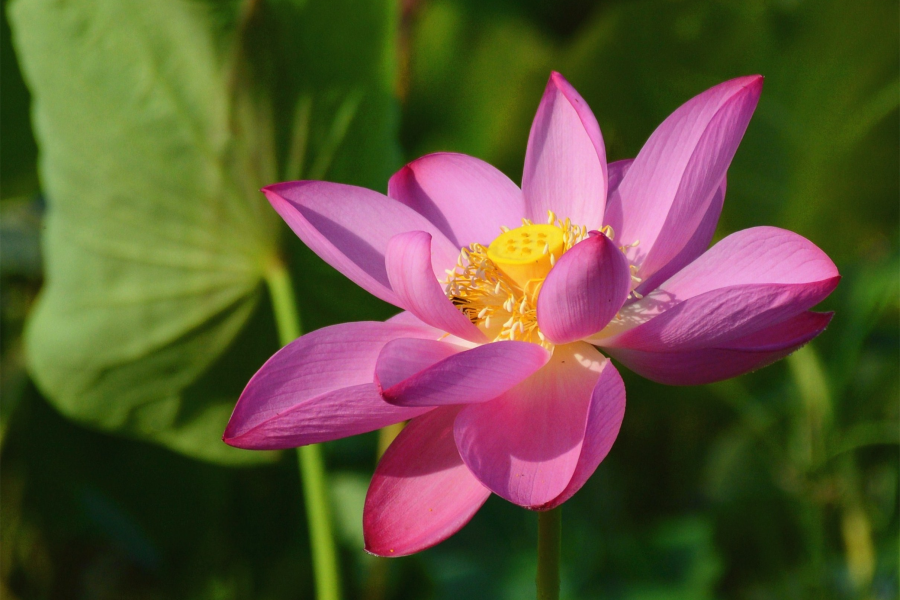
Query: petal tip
{"x": 235, "y": 441}
{"x": 558, "y": 82}
{"x": 558, "y": 79}
{"x": 274, "y": 193}
{"x": 380, "y": 553}
{"x": 752, "y": 83}
{"x": 400, "y": 179}
{"x": 273, "y": 188}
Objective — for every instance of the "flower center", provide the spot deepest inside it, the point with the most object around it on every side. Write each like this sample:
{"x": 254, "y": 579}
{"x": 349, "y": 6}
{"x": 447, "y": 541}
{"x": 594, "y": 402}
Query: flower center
{"x": 497, "y": 287}
{"x": 524, "y": 253}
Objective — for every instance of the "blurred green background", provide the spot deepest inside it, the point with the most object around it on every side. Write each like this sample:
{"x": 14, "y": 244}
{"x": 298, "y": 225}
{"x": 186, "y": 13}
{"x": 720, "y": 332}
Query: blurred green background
{"x": 135, "y": 136}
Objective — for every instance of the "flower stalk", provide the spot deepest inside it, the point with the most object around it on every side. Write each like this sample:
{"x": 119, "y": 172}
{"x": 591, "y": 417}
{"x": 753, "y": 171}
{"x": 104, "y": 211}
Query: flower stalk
{"x": 312, "y": 467}
{"x": 549, "y": 546}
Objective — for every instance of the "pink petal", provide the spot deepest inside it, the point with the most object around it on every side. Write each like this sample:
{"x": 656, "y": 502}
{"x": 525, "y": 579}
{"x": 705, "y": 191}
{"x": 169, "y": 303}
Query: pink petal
{"x": 565, "y": 163}
{"x": 464, "y": 197}
{"x": 613, "y": 215}
{"x": 696, "y": 246}
{"x": 409, "y": 376}
{"x": 717, "y": 318}
{"x": 408, "y": 260}
{"x": 736, "y": 357}
{"x": 616, "y": 173}
{"x": 605, "y": 417}
{"x": 397, "y": 362}
{"x": 526, "y": 445}
{"x": 350, "y": 227}
{"x": 668, "y": 189}
{"x": 319, "y": 387}
{"x": 759, "y": 255}
{"x": 407, "y": 318}
{"x": 764, "y": 260}
{"x": 750, "y": 286}
{"x": 584, "y": 290}
{"x": 421, "y": 492}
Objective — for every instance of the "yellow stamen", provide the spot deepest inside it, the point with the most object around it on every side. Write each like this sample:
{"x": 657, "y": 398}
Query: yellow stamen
{"x": 497, "y": 287}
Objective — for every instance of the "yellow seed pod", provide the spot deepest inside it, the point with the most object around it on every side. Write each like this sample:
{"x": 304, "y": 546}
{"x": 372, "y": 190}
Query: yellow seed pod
{"x": 525, "y": 253}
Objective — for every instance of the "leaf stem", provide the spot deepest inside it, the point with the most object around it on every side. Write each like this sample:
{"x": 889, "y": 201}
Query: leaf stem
{"x": 284, "y": 303}
{"x": 318, "y": 515}
{"x": 312, "y": 467}
{"x": 549, "y": 546}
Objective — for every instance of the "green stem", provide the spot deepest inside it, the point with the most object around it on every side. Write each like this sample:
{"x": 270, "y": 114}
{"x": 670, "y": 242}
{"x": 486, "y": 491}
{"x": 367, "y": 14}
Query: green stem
{"x": 284, "y": 303}
{"x": 318, "y": 515}
{"x": 549, "y": 545}
{"x": 312, "y": 467}
{"x": 388, "y": 434}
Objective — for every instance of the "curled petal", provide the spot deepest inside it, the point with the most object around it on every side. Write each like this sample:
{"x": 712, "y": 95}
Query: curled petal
{"x": 526, "y": 445}
{"x": 669, "y": 187}
{"x": 696, "y": 366}
{"x": 421, "y": 492}
{"x": 349, "y": 227}
{"x": 319, "y": 387}
{"x": 408, "y": 260}
{"x": 584, "y": 290}
{"x": 464, "y": 197}
{"x": 470, "y": 376}
{"x": 565, "y": 163}
{"x": 605, "y": 417}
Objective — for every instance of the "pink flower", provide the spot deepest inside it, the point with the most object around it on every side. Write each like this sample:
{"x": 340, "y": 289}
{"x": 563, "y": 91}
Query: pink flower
{"x": 495, "y": 358}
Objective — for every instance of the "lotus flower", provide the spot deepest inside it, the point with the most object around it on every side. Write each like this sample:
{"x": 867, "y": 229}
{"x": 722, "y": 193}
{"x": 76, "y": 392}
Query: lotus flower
{"x": 509, "y": 295}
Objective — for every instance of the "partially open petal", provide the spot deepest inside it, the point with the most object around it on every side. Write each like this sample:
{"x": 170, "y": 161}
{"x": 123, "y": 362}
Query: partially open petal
{"x": 350, "y": 227}
{"x": 605, "y": 417}
{"x": 526, "y": 444}
{"x": 584, "y": 290}
{"x": 669, "y": 187}
{"x": 469, "y": 376}
{"x": 565, "y": 163}
{"x": 696, "y": 366}
{"x": 759, "y": 255}
{"x": 719, "y": 317}
{"x": 696, "y": 246}
{"x": 319, "y": 387}
{"x": 765, "y": 261}
{"x": 739, "y": 307}
{"x": 753, "y": 284}
{"x": 409, "y": 269}
{"x": 421, "y": 492}
{"x": 466, "y": 198}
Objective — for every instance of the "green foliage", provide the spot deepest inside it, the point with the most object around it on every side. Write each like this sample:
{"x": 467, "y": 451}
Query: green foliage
{"x": 156, "y": 131}
{"x": 154, "y": 249}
